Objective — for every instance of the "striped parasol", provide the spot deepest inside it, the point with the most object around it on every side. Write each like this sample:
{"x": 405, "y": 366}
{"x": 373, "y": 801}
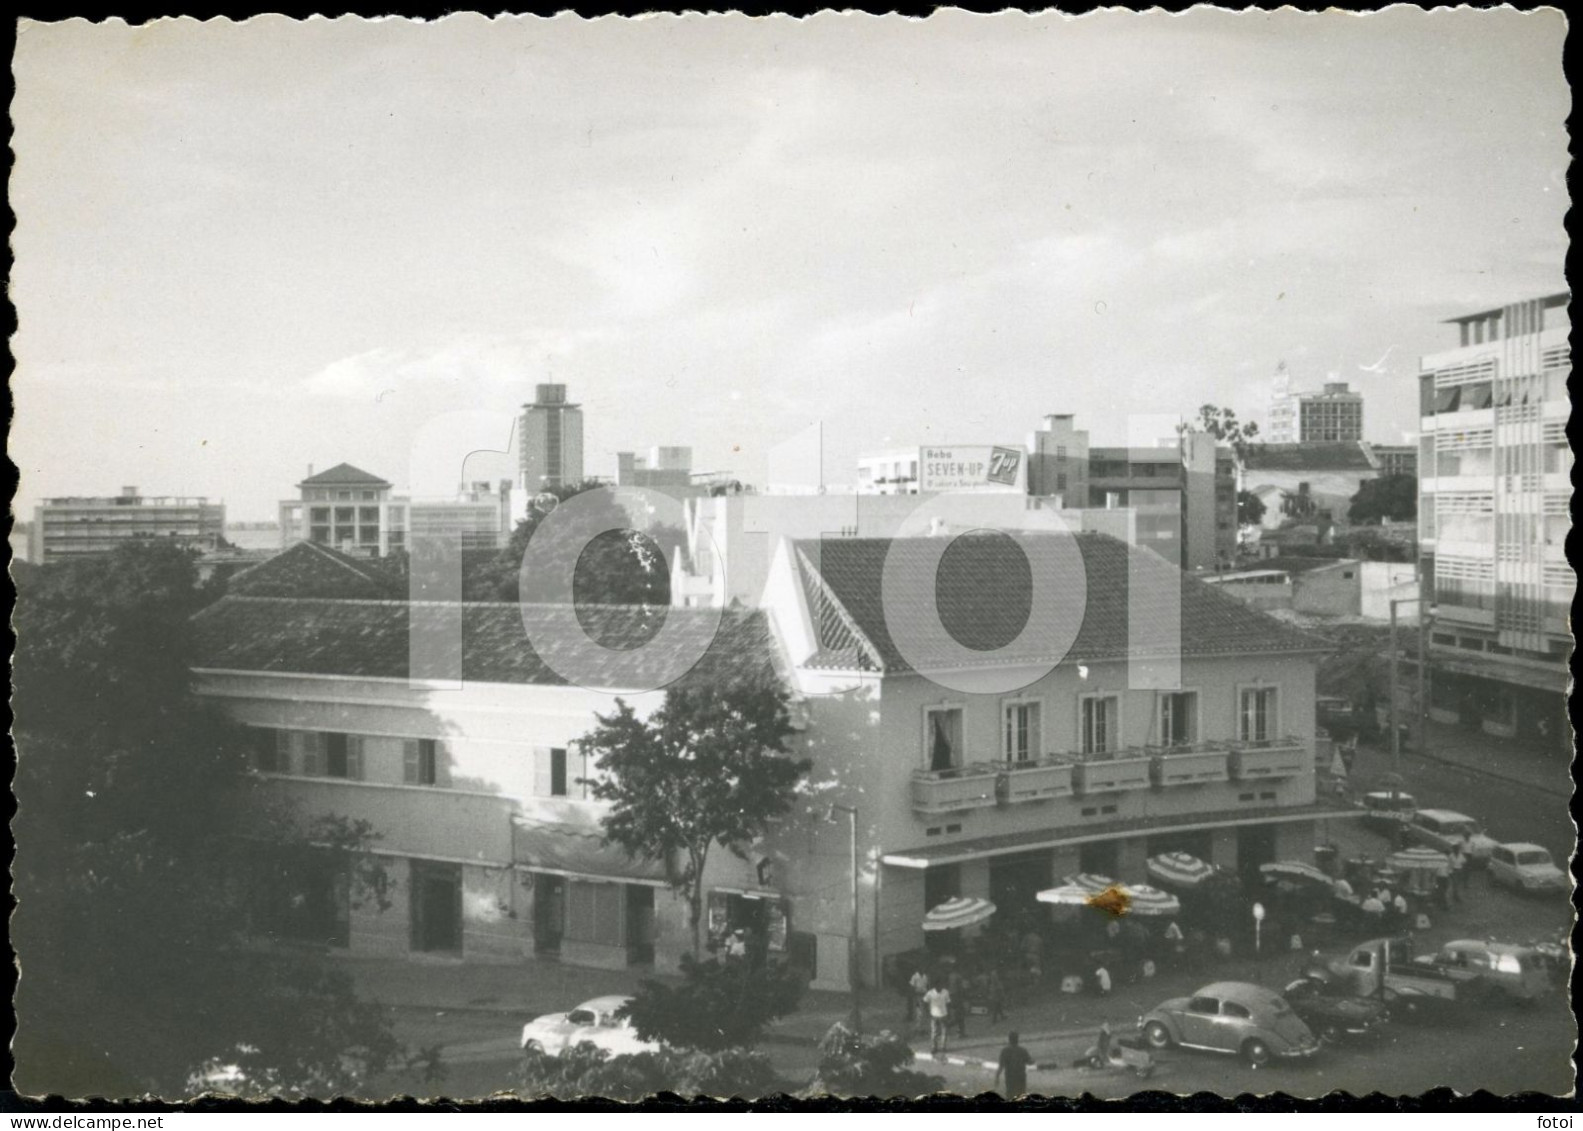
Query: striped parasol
{"x": 1180, "y": 869}
{"x": 1067, "y": 895}
{"x": 1296, "y": 870}
{"x": 962, "y": 911}
{"x": 1144, "y": 900}
{"x": 1421, "y": 859}
{"x": 1093, "y": 881}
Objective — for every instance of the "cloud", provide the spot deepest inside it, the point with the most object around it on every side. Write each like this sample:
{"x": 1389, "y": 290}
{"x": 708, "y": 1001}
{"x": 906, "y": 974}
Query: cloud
{"x": 482, "y": 362}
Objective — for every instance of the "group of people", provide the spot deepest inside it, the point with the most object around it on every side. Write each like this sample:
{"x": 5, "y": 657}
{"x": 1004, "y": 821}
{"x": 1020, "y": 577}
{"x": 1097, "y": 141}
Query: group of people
{"x": 944, "y": 1000}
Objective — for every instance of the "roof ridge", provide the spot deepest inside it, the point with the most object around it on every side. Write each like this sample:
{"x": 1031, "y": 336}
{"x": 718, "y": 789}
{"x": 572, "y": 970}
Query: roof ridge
{"x": 402, "y": 602}
{"x": 346, "y": 562}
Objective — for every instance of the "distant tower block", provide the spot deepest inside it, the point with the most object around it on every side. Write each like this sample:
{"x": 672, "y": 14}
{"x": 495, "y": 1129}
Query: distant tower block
{"x": 551, "y": 441}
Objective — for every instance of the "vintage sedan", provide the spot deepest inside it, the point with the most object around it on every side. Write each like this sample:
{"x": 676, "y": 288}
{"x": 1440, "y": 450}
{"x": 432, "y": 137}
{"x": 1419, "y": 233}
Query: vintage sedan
{"x": 1334, "y": 1016}
{"x": 1236, "y": 1017}
{"x": 1441, "y": 829}
{"x": 594, "y": 1021}
{"x": 1527, "y": 868}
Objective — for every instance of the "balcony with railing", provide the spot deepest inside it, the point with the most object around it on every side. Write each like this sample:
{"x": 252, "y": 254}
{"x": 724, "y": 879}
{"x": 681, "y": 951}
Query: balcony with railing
{"x": 1270, "y": 758}
{"x": 1189, "y": 764}
{"x": 958, "y": 787}
{"x": 1113, "y": 772}
{"x": 1039, "y": 780}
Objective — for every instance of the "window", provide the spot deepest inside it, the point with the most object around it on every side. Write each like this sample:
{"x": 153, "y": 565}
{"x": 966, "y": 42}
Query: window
{"x": 1100, "y": 731}
{"x": 319, "y": 514}
{"x": 1179, "y": 718}
{"x": 271, "y": 751}
{"x": 368, "y": 514}
{"x": 1233, "y": 1009}
{"x": 1204, "y": 1005}
{"x": 1257, "y": 714}
{"x": 558, "y": 772}
{"x": 943, "y": 737}
{"x": 319, "y": 534}
{"x": 1022, "y": 732}
{"x": 421, "y": 761}
{"x": 343, "y": 756}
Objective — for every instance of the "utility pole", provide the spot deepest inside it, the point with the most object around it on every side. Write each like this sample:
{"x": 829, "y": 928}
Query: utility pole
{"x": 852, "y": 947}
{"x": 1396, "y": 734}
{"x": 1423, "y": 679}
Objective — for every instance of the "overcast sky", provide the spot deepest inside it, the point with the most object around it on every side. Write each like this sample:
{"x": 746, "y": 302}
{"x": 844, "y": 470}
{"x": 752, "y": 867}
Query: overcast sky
{"x": 242, "y": 249}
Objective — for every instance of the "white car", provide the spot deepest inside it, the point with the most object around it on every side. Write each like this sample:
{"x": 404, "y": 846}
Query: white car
{"x": 1526, "y": 867}
{"x": 1440, "y": 829}
{"x": 594, "y": 1021}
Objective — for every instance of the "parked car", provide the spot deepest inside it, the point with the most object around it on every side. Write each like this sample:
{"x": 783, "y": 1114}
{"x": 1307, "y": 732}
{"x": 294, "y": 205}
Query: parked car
{"x": 1526, "y": 867}
{"x": 1388, "y": 810}
{"x": 1387, "y": 968}
{"x": 594, "y": 1021}
{"x": 1519, "y": 972}
{"x": 1331, "y": 1014}
{"x": 1442, "y": 829}
{"x": 1235, "y": 1017}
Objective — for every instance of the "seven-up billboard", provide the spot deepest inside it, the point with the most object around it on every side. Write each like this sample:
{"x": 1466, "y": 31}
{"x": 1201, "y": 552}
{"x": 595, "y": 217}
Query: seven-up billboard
{"x": 971, "y": 467}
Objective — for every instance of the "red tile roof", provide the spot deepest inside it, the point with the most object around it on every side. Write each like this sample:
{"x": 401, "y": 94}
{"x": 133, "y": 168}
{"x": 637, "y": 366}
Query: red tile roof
{"x": 310, "y": 570}
{"x": 371, "y": 639}
{"x": 1349, "y": 456}
{"x": 984, "y": 589}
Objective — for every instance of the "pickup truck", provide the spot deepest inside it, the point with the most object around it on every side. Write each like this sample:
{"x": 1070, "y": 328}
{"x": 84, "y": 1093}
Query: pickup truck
{"x": 1385, "y": 968}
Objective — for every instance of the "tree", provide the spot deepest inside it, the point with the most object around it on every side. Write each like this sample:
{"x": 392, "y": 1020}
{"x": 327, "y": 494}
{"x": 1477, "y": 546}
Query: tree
{"x": 851, "y": 1064}
{"x": 1222, "y": 424}
{"x": 1250, "y": 509}
{"x": 719, "y": 1004}
{"x": 1389, "y": 498}
{"x": 619, "y": 567}
{"x": 137, "y": 818}
{"x": 708, "y": 767}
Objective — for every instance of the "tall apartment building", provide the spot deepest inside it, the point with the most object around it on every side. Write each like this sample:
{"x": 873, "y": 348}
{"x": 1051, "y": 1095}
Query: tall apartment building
{"x": 1334, "y": 415}
{"x": 1396, "y": 459}
{"x": 550, "y": 441}
{"x": 75, "y": 527}
{"x": 1492, "y": 520}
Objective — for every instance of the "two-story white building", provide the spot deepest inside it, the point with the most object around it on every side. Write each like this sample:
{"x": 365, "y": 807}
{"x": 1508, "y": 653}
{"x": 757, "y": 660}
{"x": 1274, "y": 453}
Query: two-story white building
{"x": 991, "y": 766}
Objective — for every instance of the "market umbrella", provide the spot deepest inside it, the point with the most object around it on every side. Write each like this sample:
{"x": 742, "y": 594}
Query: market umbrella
{"x": 959, "y": 912}
{"x": 1296, "y": 870}
{"x": 1067, "y": 895}
{"x": 1421, "y": 860}
{"x": 1145, "y": 900}
{"x": 1178, "y": 868}
{"x": 1093, "y": 881}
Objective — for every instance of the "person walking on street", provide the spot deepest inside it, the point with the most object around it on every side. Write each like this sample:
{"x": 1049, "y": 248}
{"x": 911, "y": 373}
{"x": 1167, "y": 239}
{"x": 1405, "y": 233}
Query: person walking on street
{"x": 956, "y": 986}
{"x": 916, "y": 1008}
{"x": 1103, "y": 1044}
{"x": 1459, "y": 872}
{"x": 996, "y": 992}
{"x": 1014, "y": 1063}
{"x": 938, "y": 1001}
{"x": 1102, "y": 980}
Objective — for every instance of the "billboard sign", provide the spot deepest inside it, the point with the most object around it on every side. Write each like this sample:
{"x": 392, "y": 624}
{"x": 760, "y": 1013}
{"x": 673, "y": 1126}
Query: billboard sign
{"x": 970, "y": 467}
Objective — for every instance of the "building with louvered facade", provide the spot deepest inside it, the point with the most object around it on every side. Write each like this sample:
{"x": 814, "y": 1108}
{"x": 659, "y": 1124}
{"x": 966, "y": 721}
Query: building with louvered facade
{"x": 1495, "y": 480}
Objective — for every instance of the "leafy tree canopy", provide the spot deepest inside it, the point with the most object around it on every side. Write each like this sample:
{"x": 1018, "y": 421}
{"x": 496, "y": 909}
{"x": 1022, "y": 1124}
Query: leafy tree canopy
{"x": 1250, "y": 509}
{"x": 710, "y": 766}
{"x": 1223, "y": 425}
{"x": 1390, "y": 497}
{"x": 854, "y": 1064}
{"x": 720, "y": 1004}
{"x": 587, "y": 1070}
{"x": 137, "y": 815}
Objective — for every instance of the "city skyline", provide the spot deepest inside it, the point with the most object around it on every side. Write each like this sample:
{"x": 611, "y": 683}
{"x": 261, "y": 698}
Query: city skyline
{"x": 242, "y": 249}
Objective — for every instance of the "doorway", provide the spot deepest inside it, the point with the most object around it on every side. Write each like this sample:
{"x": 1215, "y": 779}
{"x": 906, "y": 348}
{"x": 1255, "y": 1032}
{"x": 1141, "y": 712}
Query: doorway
{"x": 549, "y": 913}
{"x": 1098, "y": 857}
{"x": 640, "y": 925}
{"x": 1255, "y": 846}
{"x": 1015, "y": 882}
{"x": 436, "y": 901}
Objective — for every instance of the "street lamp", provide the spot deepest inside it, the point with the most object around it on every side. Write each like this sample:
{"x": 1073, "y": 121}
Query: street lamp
{"x": 851, "y": 954}
{"x": 1258, "y": 929}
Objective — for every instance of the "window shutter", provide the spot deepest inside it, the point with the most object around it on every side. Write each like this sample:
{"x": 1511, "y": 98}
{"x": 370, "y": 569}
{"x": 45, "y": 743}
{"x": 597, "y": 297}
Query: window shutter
{"x": 354, "y": 757}
{"x": 442, "y": 763}
{"x": 541, "y": 771}
{"x": 283, "y": 762}
{"x": 409, "y": 761}
{"x": 578, "y": 763}
{"x": 313, "y": 754}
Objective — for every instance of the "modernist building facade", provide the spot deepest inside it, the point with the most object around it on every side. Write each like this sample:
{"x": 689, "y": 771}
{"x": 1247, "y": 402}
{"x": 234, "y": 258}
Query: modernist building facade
{"x": 550, "y": 441}
{"x": 355, "y": 512}
{"x": 86, "y": 526}
{"x": 1331, "y": 416}
{"x": 1065, "y": 757}
{"x": 1494, "y": 488}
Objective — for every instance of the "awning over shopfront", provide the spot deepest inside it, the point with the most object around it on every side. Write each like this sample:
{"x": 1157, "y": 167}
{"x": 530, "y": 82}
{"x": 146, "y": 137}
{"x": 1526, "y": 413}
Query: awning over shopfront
{"x": 579, "y": 851}
{"x": 979, "y": 848}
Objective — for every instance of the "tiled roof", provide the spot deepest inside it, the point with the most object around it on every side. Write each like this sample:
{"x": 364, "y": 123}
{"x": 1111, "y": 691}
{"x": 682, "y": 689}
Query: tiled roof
{"x": 310, "y": 570}
{"x": 371, "y": 639}
{"x": 984, "y": 589}
{"x": 578, "y": 850}
{"x": 344, "y": 475}
{"x": 1350, "y": 456}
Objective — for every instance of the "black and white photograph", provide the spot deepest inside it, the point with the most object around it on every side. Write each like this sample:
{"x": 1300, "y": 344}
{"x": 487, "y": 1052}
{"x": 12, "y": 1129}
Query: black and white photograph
{"x": 1004, "y": 556}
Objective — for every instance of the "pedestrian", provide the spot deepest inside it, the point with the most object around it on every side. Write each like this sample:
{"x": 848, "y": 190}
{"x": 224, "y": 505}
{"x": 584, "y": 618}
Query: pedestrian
{"x": 919, "y": 984}
{"x": 1459, "y": 872}
{"x": 1102, "y": 980}
{"x": 1103, "y": 1044}
{"x": 996, "y": 992}
{"x": 1174, "y": 940}
{"x": 956, "y": 986}
{"x": 1343, "y": 889}
{"x": 1373, "y": 912}
{"x": 1443, "y": 890}
{"x": 1013, "y": 1064}
{"x": 1400, "y": 903}
{"x": 938, "y": 1001}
